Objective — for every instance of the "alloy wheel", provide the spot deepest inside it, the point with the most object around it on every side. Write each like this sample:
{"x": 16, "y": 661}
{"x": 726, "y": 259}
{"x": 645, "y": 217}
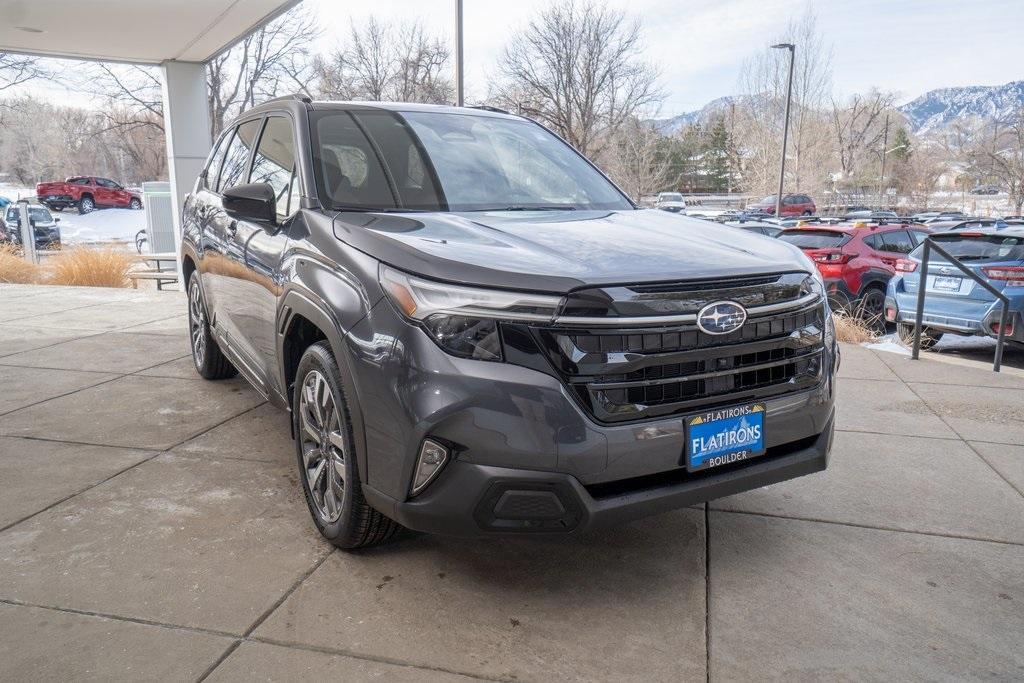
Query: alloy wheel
{"x": 323, "y": 446}
{"x": 197, "y": 323}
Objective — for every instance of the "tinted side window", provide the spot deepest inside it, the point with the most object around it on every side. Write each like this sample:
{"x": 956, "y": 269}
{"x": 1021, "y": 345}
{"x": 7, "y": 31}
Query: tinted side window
{"x": 918, "y": 236}
{"x": 103, "y": 182}
{"x": 216, "y": 161}
{"x": 236, "y": 161}
{"x": 897, "y": 241}
{"x": 79, "y": 181}
{"x": 275, "y": 160}
{"x": 875, "y": 242}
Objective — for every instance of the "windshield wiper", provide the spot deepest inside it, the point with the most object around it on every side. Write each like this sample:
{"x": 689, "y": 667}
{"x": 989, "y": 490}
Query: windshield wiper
{"x": 523, "y": 207}
{"x": 375, "y": 209}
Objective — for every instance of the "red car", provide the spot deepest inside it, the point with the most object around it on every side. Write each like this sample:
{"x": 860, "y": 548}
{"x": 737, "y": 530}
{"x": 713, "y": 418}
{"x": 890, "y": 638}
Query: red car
{"x": 86, "y": 193}
{"x": 857, "y": 259}
{"x": 792, "y": 205}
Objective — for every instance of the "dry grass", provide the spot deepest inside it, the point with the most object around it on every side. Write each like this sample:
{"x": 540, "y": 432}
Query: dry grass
{"x": 853, "y": 330}
{"x": 84, "y": 267}
{"x": 14, "y": 269}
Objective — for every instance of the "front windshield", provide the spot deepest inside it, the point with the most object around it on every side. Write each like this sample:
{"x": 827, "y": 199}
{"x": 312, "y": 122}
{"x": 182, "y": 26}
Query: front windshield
{"x": 430, "y": 161}
{"x": 768, "y": 200}
{"x": 671, "y": 197}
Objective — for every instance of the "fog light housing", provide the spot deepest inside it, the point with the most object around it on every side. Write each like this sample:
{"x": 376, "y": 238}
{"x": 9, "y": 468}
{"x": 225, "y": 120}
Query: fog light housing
{"x": 432, "y": 458}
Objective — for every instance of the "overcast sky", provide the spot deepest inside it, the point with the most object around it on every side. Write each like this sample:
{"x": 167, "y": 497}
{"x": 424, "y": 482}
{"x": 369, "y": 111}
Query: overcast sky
{"x": 909, "y": 46}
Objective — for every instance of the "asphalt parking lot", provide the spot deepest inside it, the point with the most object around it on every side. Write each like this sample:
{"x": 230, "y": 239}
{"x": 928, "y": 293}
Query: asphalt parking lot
{"x": 152, "y": 527}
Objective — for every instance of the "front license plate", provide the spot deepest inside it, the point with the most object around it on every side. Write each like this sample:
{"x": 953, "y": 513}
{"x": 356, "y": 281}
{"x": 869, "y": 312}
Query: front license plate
{"x": 947, "y": 284}
{"x": 721, "y": 437}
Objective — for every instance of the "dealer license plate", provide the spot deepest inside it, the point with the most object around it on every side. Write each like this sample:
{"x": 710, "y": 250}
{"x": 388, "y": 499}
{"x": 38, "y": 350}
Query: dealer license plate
{"x": 947, "y": 284}
{"x": 724, "y": 436}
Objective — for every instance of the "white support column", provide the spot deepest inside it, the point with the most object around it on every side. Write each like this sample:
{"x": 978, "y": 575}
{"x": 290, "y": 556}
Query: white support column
{"x": 187, "y": 129}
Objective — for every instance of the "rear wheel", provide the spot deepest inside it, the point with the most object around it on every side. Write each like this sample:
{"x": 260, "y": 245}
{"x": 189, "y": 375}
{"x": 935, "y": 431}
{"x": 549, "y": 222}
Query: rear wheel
{"x": 808, "y": 213}
{"x": 325, "y": 448}
{"x": 135, "y": 204}
{"x": 209, "y": 360}
{"x": 86, "y": 204}
{"x": 870, "y": 309}
{"x": 929, "y": 337}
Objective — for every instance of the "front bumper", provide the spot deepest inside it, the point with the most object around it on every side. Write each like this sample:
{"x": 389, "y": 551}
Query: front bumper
{"x": 513, "y": 428}
{"x": 474, "y": 500}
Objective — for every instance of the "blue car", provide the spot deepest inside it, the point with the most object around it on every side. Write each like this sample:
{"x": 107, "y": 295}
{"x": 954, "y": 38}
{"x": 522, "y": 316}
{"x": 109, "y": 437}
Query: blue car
{"x": 953, "y": 302}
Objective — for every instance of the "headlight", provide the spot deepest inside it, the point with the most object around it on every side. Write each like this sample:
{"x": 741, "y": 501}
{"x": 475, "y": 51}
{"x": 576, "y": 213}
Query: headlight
{"x": 812, "y": 284}
{"x": 464, "y": 320}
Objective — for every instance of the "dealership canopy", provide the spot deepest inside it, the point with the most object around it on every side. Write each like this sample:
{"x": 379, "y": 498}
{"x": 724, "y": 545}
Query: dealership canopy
{"x": 179, "y": 35}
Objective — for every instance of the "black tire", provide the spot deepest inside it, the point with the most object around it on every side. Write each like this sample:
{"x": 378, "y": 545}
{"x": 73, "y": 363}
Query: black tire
{"x": 86, "y": 205}
{"x": 929, "y": 337}
{"x": 135, "y": 204}
{"x": 325, "y": 438}
{"x": 807, "y": 213}
{"x": 210, "y": 361}
{"x": 870, "y": 308}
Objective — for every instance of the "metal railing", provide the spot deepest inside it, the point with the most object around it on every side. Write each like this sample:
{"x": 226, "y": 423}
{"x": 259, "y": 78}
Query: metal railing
{"x": 923, "y": 286}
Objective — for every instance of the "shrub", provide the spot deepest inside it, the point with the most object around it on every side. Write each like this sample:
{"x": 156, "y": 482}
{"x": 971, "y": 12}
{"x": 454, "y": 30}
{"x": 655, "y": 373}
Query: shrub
{"x": 852, "y": 329}
{"x": 14, "y": 269}
{"x": 84, "y": 267}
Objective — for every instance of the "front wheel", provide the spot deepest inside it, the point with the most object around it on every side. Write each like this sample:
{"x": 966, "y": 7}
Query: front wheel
{"x": 135, "y": 204}
{"x": 326, "y": 453}
{"x": 209, "y": 360}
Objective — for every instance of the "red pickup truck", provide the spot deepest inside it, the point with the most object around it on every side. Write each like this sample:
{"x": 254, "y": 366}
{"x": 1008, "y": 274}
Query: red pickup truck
{"x": 86, "y": 193}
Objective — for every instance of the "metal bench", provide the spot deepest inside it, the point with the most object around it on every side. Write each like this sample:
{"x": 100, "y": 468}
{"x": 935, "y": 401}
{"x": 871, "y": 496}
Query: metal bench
{"x": 161, "y": 276}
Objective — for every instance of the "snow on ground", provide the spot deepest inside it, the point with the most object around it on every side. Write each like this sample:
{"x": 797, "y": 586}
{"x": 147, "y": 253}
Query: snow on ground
{"x": 101, "y": 226}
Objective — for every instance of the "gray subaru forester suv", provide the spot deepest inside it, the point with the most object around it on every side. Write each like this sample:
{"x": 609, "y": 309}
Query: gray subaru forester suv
{"x": 477, "y": 333}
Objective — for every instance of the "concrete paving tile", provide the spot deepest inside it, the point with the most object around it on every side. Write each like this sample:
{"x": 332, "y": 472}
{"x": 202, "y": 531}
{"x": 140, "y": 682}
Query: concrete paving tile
{"x": 15, "y": 338}
{"x": 264, "y": 662}
{"x": 47, "y": 645}
{"x": 978, "y": 413}
{"x": 13, "y": 307}
{"x": 887, "y": 407}
{"x": 935, "y": 369}
{"x": 182, "y": 368}
{"x": 1007, "y": 460}
{"x": 178, "y": 540}
{"x": 139, "y": 412}
{"x": 177, "y": 326}
{"x": 35, "y": 474}
{"x": 111, "y": 352}
{"x": 25, "y": 386}
{"x": 808, "y": 601}
{"x": 861, "y": 363}
{"x": 911, "y": 483}
{"x": 260, "y": 434}
{"x": 107, "y": 316}
{"x": 627, "y": 604}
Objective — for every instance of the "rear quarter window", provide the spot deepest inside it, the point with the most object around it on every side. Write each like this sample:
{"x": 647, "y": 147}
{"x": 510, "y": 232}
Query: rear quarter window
{"x": 814, "y": 239}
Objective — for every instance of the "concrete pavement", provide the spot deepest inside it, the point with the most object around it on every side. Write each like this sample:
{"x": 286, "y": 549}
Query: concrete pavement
{"x": 152, "y": 527}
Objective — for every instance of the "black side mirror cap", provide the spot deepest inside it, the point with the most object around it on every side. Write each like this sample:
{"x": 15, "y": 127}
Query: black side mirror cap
{"x": 253, "y": 202}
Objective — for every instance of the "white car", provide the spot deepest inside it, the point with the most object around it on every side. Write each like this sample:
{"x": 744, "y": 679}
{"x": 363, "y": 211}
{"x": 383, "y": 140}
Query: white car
{"x": 670, "y": 201}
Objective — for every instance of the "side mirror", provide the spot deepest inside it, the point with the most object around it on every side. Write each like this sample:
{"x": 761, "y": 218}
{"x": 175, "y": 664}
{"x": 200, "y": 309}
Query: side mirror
{"x": 56, "y": 219}
{"x": 254, "y": 202}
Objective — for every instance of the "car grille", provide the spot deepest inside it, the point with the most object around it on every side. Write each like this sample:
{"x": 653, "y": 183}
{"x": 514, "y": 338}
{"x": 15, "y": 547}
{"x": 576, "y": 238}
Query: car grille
{"x": 623, "y": 375}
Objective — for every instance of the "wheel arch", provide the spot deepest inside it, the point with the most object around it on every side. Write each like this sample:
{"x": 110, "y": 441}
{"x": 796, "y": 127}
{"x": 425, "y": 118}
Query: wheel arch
{"x": 302, "y": 321}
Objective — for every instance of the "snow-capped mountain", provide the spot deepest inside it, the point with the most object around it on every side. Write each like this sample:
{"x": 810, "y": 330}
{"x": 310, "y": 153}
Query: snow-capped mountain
{"x": 673, "y": 125}
{"x": 938, "y": 108}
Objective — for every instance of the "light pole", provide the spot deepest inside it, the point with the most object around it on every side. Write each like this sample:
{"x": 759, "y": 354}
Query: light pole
{"x": 785, "y": 126}
{"x": 460, "y": 99}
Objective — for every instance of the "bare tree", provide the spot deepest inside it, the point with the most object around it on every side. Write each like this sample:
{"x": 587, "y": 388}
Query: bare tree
{"x": 760, "y": 111}
{"x": 999, "y": 149}
{"x": 398, "y": 62}
{"x": 580, "y": 65}
{"x": 16, "y": 69}
{"x": 637, "y": 159}
{"x": 858, "y": 128}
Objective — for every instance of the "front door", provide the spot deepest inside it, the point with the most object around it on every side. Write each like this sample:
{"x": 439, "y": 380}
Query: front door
{"x": 254, "y": 291}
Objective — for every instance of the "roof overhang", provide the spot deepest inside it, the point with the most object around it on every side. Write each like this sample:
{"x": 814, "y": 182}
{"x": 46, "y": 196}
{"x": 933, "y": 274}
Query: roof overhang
{"x": 143, "y": 32}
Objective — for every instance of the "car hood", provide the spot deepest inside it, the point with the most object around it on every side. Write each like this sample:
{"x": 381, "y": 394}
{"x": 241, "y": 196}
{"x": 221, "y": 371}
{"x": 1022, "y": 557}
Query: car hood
{"x": 559, "y": 251}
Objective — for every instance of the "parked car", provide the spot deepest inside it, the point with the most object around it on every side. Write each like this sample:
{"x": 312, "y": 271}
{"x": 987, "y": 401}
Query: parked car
{"x": 86, "y": 193}
{"x": 670, "y": 201}
{"x": 767, "y": 229}
{"x": 947, "y": 216}
{"x": 4, "y": 201}
{"x": 47, "y": 232}
{"x": 856, "y": 260}
{"x": 969, "y": 224}
{"x": 467, "y": 347}
{"x": 986, "y": 189}
{"x": 792, "y": 205}
{"x": 954, "y": 303}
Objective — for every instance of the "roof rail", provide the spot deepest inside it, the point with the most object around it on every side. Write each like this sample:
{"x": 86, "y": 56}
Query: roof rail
{"x": 294, "y": 97}
{"x": 487, "y": 107}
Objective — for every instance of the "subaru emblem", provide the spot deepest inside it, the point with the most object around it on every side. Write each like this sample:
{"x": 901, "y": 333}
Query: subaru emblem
{"x": 721, "y": 317}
